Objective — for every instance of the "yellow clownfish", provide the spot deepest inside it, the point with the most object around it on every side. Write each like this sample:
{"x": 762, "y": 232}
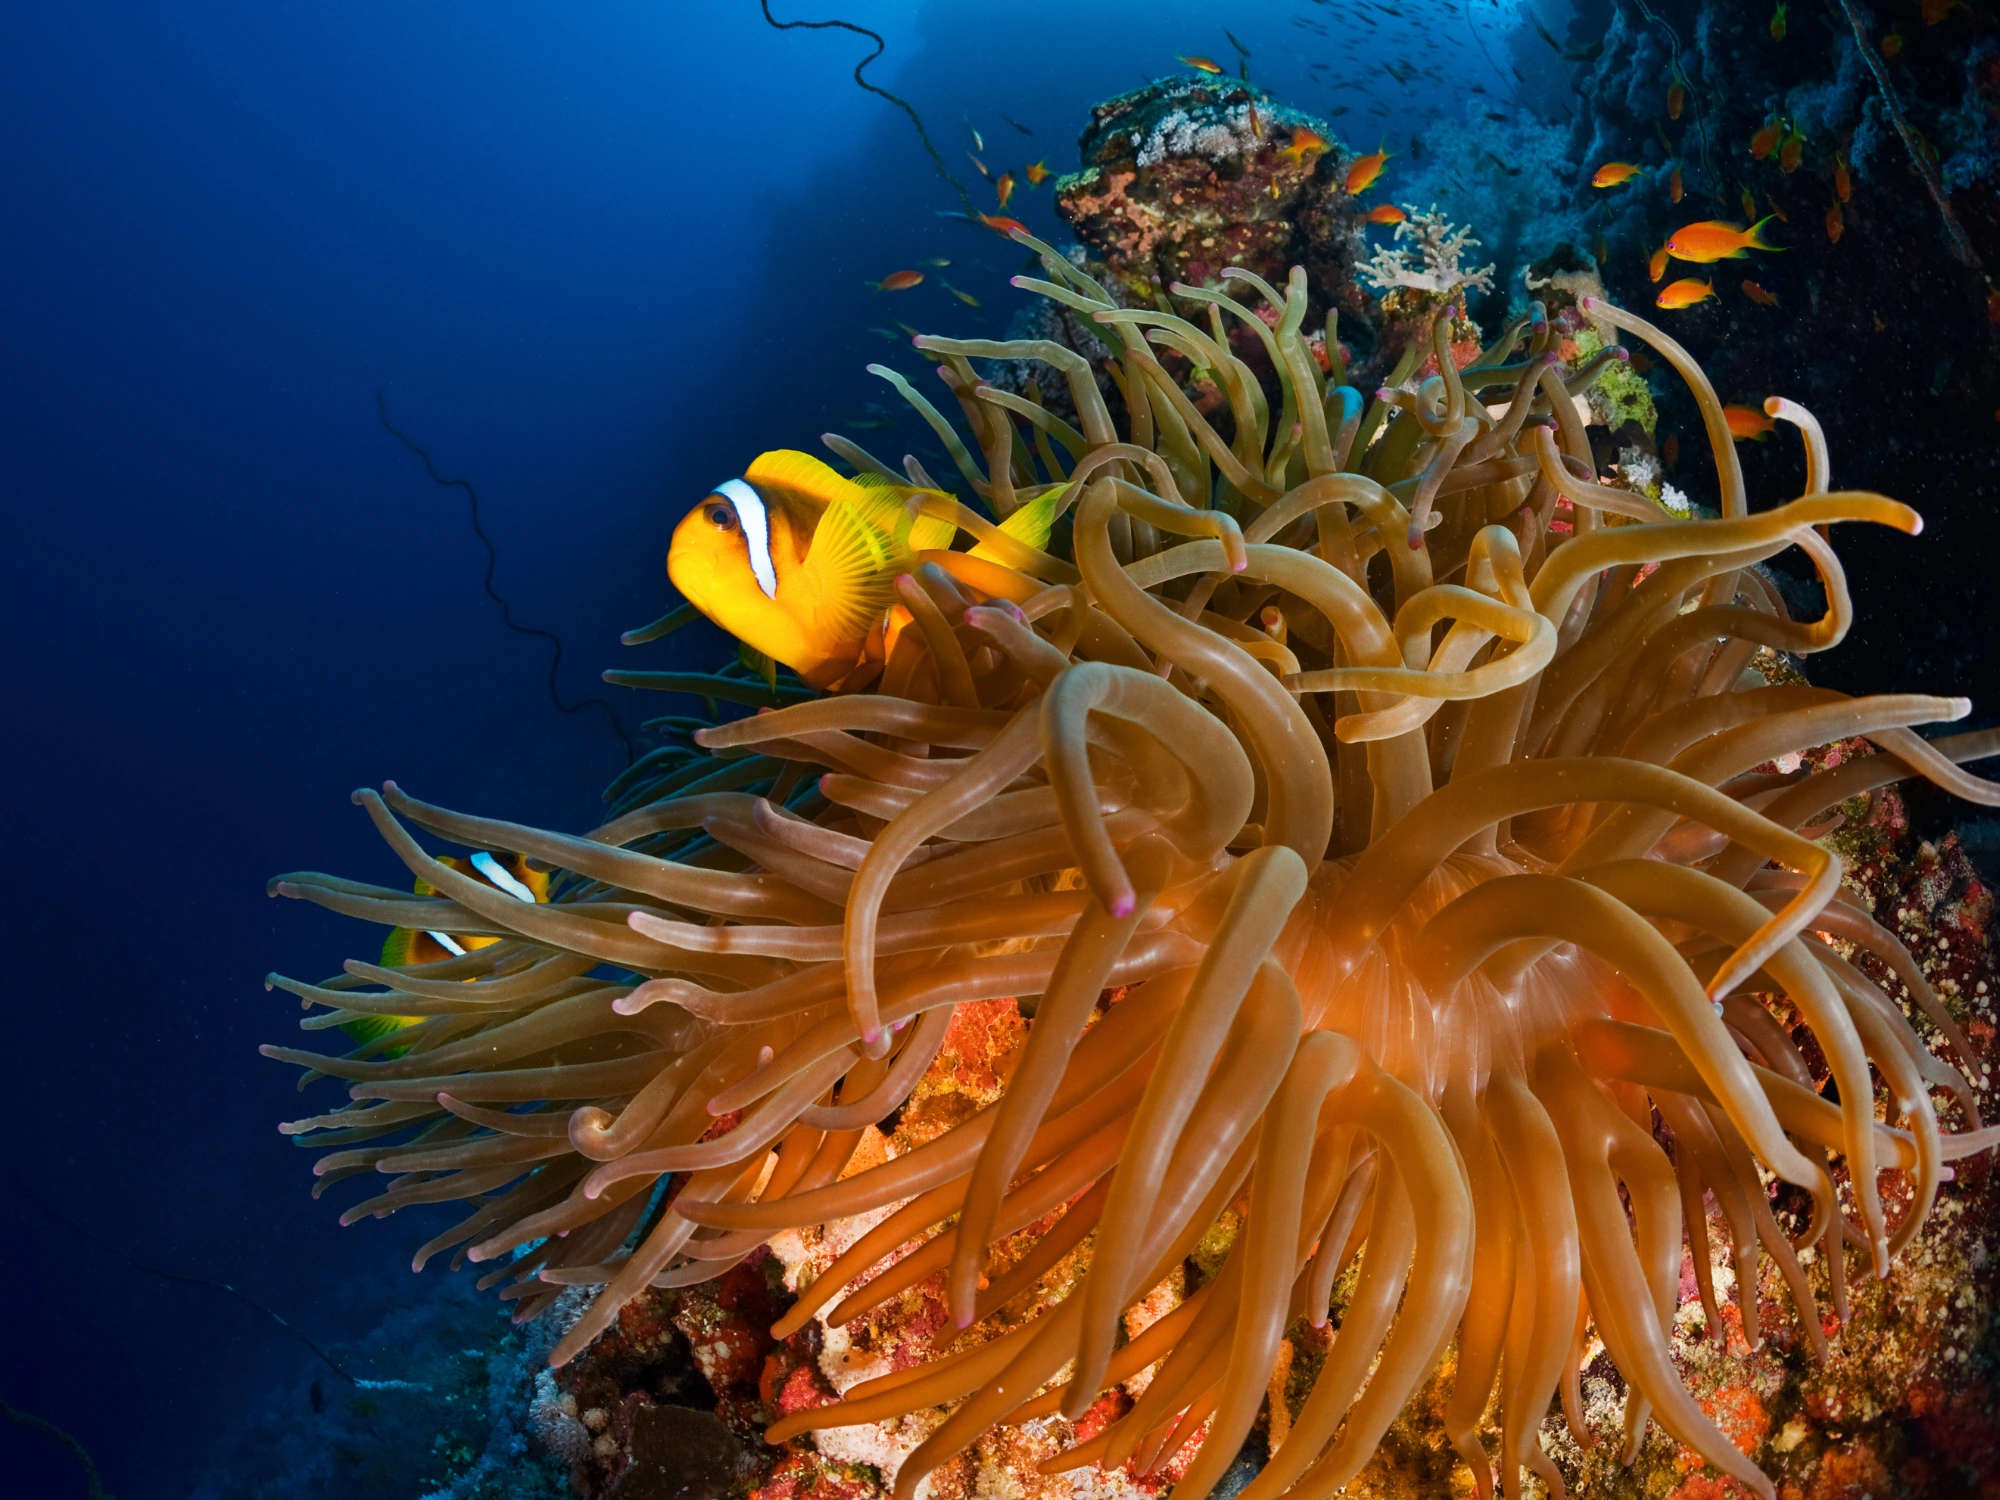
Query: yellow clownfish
{"x": 800, "y": 562}
{"x": 403, "y": 946}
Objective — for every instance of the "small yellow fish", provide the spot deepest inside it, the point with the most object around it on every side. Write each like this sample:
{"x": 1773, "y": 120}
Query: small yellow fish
{"x": 1747, "y": 424}
{"x": 1306, "y": 144}
{"x": 898, "y": 281}
{"x": 979, "y": 164}
{"x": 966, "y": 297}
{"x": 1684, "y": 293}
{"x": 800, "y": 563}
{"x": 1843, "y": 184}
{"x": 1716, "y": 239}
{"x": 1674, "y": 189}
{"x": 1758, "y": 295}
{"x": 1765, "y": 141}
{"x": 512, "y": 873}
{"x": 1676, "y": 99}
{"x": 1202, "y": 64}
{"x": 1836, "y": 223}
{"x": 1657, "y": 266}
{"x": 1384, "y": 213}
{"x": 1003, "y": 186}
{"x": 1612, "y": 173}
{"x": 1362, "y": 172}
{"x": 1036, "y": 172}
{"x": 1256, "y": 122}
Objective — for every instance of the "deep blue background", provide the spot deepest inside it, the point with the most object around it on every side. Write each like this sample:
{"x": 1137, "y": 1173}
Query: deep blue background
{"x": 596, "y": 257}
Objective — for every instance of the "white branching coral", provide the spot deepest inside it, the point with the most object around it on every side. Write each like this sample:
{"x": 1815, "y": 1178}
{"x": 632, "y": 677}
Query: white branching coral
{"x": 1438, "y": 247}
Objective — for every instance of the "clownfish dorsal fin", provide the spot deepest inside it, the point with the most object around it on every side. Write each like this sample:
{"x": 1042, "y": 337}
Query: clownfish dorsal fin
{"x": 799, "y": 482}
{"x": 898, "y": 510}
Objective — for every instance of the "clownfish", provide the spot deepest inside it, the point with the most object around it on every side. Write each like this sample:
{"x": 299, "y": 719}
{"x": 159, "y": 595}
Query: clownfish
{"x": 800, "y": 563}
{"x": 403, "y": 947}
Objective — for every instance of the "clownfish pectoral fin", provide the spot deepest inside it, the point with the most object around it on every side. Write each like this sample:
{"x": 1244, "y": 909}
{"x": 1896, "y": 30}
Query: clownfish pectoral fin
{"x": 850, "y": 575}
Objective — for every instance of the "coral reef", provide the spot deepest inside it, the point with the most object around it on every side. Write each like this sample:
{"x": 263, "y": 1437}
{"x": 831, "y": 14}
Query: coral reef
{"x": 1876, "y": 221}
{"x": 1186, "y": 177}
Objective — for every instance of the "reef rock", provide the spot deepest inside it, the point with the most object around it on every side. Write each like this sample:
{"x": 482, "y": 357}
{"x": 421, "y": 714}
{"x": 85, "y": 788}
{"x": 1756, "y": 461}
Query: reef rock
{"x": 1186, "y": 177}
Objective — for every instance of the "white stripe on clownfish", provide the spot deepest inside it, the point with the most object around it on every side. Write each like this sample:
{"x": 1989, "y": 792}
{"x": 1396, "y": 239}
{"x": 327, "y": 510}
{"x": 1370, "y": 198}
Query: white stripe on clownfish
{"x": 499, "y": 874}
{"x": 756, "y": 531}
{"x": 445, "y": 941}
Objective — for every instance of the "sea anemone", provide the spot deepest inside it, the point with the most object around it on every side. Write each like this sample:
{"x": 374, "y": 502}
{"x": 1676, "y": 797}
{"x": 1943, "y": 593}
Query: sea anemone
{"x": 1398, "y": 838}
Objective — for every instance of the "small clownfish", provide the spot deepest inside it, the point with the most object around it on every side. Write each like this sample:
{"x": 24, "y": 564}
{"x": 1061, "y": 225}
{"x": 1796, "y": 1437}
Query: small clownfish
{"x": 1716, "y": 239}
{"x": 1612, "y": 173}
{"x": 1685, "y": 293}
{"x": 403, "y": 947}
{"x": 800, "y": 563}
{"x": 1384, "y": 213}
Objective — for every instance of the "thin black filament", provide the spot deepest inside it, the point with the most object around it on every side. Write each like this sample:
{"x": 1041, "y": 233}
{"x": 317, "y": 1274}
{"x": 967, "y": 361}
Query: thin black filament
{"x": 507, "y": 609}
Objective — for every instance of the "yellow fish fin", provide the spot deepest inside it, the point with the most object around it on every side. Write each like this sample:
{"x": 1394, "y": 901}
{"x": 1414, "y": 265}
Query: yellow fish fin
{"x": 787, "y": 474}
{"x": 1030, "y": 526}
{"x": 1032, "y": 523}
{"x": 850, "y": 573}
{"x": 920, "y": 533}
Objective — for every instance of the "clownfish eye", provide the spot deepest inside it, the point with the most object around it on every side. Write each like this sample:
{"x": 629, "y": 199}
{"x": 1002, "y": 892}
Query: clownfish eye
{"x": 722, "y": 516}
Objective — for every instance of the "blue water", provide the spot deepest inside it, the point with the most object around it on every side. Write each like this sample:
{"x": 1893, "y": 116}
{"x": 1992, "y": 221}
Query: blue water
{"x": 594, "y": 257}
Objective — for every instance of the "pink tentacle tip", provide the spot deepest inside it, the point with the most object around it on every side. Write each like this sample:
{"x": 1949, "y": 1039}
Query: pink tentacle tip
{"x": 1589, "y": 303}
{"x": 871, "y": 1036}
{"x": 1122, "y": 905}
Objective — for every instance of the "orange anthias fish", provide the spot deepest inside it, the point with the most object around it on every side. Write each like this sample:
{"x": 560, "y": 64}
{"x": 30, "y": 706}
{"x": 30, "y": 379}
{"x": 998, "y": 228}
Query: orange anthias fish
{"x": 1612, "y": 173}
{"x": 1843, "y": 185}
{"x": 1363, "y": 170}
{"x": 898, "y": 281}
{"x": 1747, "y": 424}
{"x": 1749, "y": 201}
{"x": 1204, "y": 64}
{"x": 1892, "y": 44}
{"x": 1836, "y": 223}
{"x": 1716, "y": 239}
{"x": 1684, "y": 293}
{"x": 800, "y": 563}
{"x": 1758, "y": 295}
{"x": 1674, "y": 188}
{"x": 1790, "y": 154}
{"x": 1036, "y": 172}
{"x": 1778, "y": 23}
{"x": 1777, "y": 210}
{"x": 1676, "y": 99}
{"x": 1657, "y": 266}
{"x": 1670, "y": 450}
{"x": 1384, "y": 213}
{"x": 1765, "y": 141}
{"x": 1001, "y": 225}
{"x": 1004, "y": 186}
{"x": 1305, "y": 146}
